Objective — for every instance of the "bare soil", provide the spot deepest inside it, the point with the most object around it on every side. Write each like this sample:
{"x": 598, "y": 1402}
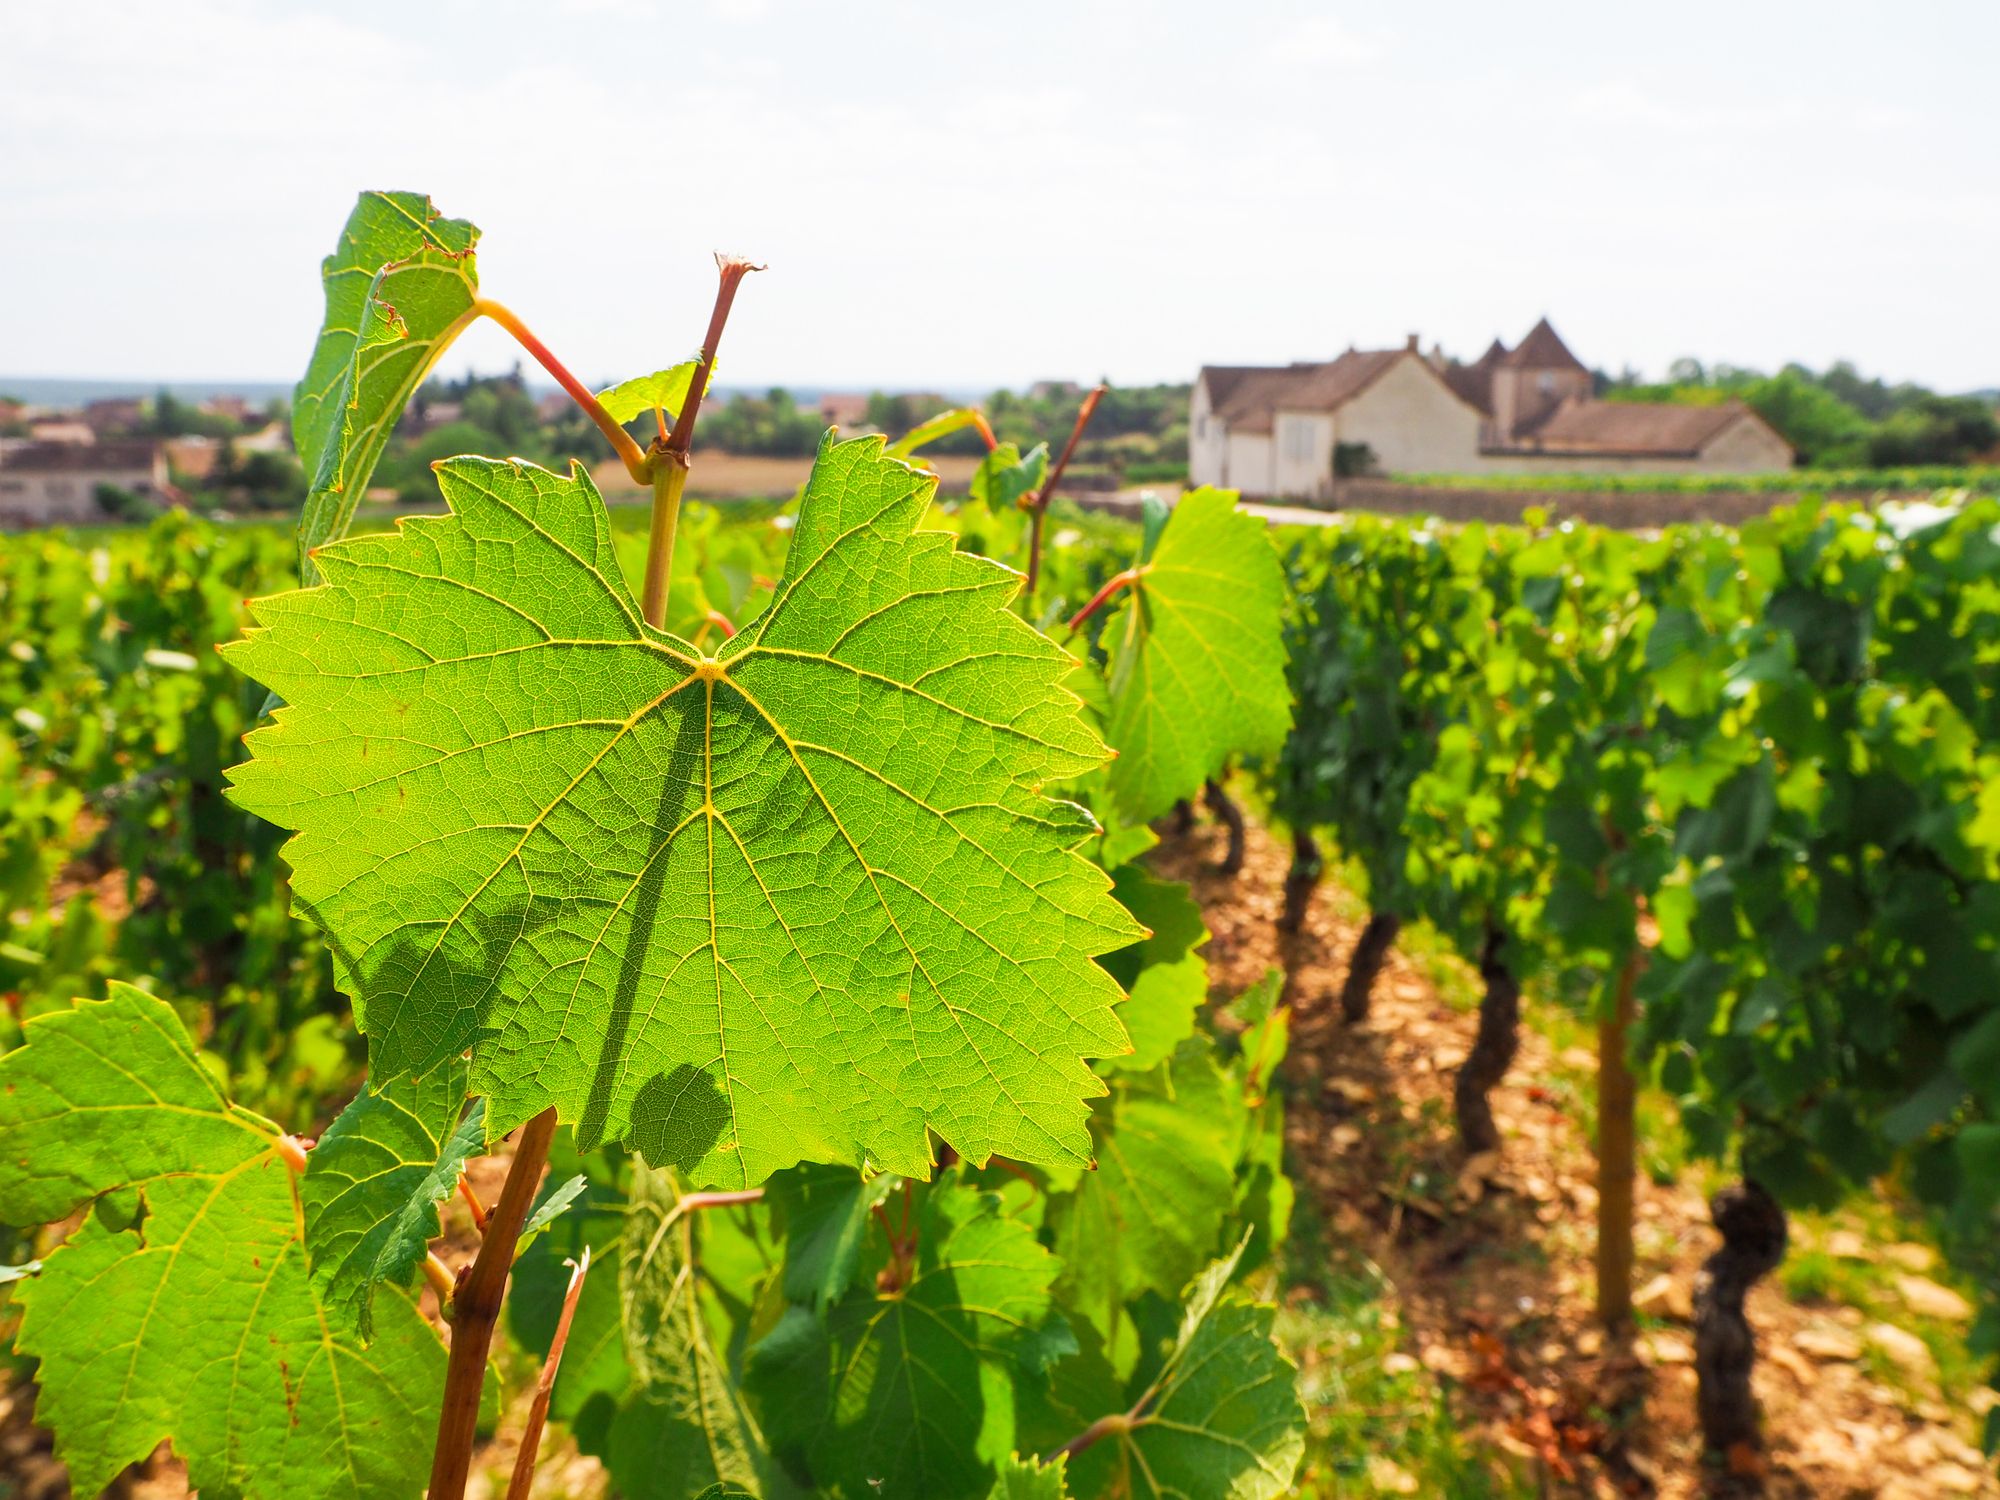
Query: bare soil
{"x": 1490, "y": 1259}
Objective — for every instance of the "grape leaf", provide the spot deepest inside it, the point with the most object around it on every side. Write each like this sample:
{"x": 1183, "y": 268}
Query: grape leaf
{"x": 666, "y": 389}
{"x": 1165, "y": 977}
{"x": 1197, "y": 668}
{"x": 1029, "y": 1479}
{"x": 554, "y": 1204}
{"x": 685, "y": 1427}
{"x": 399, "y": 286}
{"x": 1222, "y": 1419}
{"x": 908, "y": 1391}
{"x": 1006, "y": 476}
{"x": 1167, "y": 1147}
{"x": 373, "y": 1184}
{"x": 197, "y": 1323}
{"x": 943, "y": 425}
{"x": 825, "y": 1211}
{"x": 802, "y": 900}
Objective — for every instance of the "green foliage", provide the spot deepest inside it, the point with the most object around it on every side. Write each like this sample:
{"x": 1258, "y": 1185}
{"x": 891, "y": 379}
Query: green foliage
{"x": 373, "y": 1184}
{"x": 182, "y": 1308}
{"x": 501, "y": 854}
{"x": 398, "y": 284}
{"x": 1220, "y": 1418}
{"x": 808, "y": 892}
{"x": 1193, "y": 671}
{"x": 665, "y": 389}
{"x": 914, "y": 1372}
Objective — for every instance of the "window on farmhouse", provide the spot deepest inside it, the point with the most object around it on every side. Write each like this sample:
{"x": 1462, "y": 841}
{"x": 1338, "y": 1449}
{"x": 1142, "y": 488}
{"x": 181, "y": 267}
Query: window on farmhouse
{"x": 1298, "y": 441}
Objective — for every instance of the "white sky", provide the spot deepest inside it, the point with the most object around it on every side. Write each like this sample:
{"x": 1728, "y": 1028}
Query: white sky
{"x": 973, "y": 195}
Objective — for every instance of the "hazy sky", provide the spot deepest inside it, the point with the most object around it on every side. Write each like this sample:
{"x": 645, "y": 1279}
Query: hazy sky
{"x": 968, "y": 195}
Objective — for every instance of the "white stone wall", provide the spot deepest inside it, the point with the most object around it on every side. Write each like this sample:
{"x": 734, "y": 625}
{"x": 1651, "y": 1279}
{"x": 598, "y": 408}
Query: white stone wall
{"x": 1302, "y": 454}
{"x": 1413, "y": 422}
{"x": 1247, "y": 464}
{"x": 1208, "y": 444}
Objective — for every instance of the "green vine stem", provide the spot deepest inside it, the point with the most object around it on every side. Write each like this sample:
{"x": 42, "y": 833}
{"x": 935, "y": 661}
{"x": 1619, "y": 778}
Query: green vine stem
{"x": 667, "y": 459}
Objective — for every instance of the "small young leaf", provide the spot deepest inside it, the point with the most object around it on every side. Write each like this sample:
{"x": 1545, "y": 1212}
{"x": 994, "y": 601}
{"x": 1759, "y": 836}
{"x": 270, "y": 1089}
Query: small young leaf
{"x": 400, "y": 281}
{"x": 555, "y": 1202}
{"x": 801, "y": 900}
{"x": 1006, "y": 476}
{"x": 373, "y": 1184}
{"x": 943, "y": 425}
{"x": 824, "y": 1210}
{"x": 908, "y": 1390}
{"x": 1197, "y": 660}
{"x": 666, "y": 389}
{"x": 198, "y": 1325}
{"x": 1222, "y": 1418}
{"x": 1030, "y": 1479}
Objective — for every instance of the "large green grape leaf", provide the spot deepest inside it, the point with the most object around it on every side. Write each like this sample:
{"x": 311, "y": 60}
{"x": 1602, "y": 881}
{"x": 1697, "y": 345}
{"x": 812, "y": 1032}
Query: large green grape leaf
{"x": 1168, "y": 1143}
{"x": 1197, "y": 656}
{"x": 908, "y": 1390}
{"x": 685, "y": 1426}
{"x": 1221, "y": 1421}
{"x": 373, "y": 1184}
{"x": 196, "y": 1323}
{"x": 399, "y": 286}
{"x": 800, "y": 900}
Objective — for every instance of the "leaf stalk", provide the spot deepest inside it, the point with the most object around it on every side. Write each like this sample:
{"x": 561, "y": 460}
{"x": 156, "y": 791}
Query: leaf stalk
{"x": 538, "y": 1411}
{"x": 1098, "y": 600}
{"x": 637, "y": 462}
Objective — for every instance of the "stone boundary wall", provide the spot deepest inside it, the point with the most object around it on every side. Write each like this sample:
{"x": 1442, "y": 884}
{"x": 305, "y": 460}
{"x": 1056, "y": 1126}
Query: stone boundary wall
{"x": 1631, "y": 510}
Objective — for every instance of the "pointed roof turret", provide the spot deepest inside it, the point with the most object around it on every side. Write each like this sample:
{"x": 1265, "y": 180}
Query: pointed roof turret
{"x": 1543, "y": 349}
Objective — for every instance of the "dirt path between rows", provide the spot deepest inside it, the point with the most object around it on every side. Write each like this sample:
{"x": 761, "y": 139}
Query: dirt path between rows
{"x": 1492, "y": 1268}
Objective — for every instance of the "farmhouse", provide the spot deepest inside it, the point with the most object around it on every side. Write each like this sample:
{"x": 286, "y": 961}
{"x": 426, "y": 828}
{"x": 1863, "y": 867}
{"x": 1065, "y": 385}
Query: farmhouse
{"x": 53, "y": 484}
{"x": 1284, "y": 431}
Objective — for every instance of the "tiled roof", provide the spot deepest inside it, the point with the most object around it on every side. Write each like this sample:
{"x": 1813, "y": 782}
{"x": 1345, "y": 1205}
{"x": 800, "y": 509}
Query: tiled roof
{"x": 1648, "y": 428}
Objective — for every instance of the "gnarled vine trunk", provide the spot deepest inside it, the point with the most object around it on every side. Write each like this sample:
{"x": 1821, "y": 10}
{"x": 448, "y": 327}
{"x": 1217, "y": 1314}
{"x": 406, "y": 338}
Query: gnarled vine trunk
{"x": 1371, "y": 949}
{"x": 1301, "y": 880}
{"x": 1231, "y": 816}
{"x": 1183, "y": 816}
{"x": 1753, "y": 1242}
{"x": 1493, "y": 1049}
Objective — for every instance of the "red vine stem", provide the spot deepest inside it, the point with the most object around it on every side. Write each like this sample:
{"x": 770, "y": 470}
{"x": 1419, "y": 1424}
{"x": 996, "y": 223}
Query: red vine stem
{"x": 1103, "y": 1427}
{"x": 637, "y": 464}
{"x": 476, "y": 1311}
{"x": 472, "y": 1202}
{"x": 667, "y": 461}
{"x": 538, "y": 1411}
{"x": 1037, "y": 505}
{"x": 1112, "y": 585}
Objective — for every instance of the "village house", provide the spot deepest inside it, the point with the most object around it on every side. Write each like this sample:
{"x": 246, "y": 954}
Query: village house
{"x": 55, "y": 484}
{"x": 1283, "y": 431}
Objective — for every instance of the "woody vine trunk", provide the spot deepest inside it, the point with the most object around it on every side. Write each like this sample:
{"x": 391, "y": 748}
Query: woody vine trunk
{"x": 1493, "y": 1048}
{"x": 1371, "y": 951}
{"x": 1753, "y": 1243}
